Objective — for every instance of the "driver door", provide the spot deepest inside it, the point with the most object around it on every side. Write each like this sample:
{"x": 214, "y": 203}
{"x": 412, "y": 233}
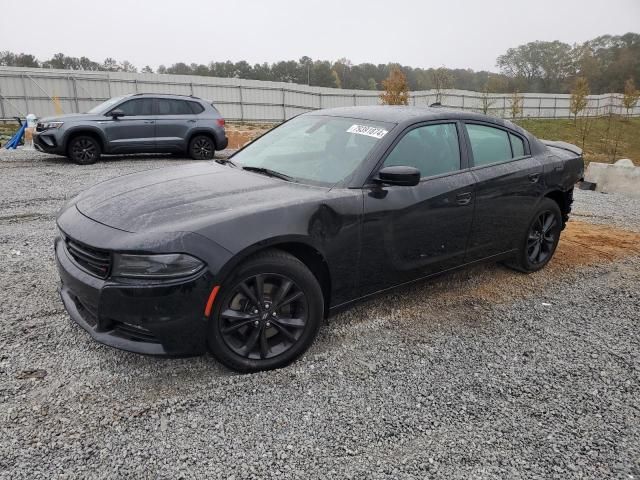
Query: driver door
{"x": 135, "y": 131}
{"x": 413, "y": 232}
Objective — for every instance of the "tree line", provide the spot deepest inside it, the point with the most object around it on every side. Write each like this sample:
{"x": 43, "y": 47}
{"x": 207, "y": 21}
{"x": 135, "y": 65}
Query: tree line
{"x": 606, "y": 62}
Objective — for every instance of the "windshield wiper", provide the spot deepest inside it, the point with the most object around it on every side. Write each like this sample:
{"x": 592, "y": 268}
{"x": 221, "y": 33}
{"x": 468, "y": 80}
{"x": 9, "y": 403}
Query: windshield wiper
{"x": 226, "y": 161}
{"x": 268, "y": 171}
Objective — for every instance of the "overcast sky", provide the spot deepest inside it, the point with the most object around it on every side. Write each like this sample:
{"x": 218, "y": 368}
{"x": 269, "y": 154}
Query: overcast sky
{"x": 454, "y": 33}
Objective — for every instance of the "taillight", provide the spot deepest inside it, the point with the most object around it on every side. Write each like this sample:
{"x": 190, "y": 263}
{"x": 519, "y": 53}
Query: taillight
{"x": 220, "y": 122}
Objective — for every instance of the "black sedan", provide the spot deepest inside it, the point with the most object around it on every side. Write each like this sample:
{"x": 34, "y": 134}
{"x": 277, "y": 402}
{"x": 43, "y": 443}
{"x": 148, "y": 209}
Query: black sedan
{"x": 245, "y": 257}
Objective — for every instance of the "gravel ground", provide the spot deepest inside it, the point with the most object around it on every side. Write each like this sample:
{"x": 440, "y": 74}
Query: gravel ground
{"x": 485, "y": 373}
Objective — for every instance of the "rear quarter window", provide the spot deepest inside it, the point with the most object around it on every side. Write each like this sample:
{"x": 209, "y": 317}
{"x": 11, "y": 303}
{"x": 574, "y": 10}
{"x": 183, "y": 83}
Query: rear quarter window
{"x": 196, "y": 107}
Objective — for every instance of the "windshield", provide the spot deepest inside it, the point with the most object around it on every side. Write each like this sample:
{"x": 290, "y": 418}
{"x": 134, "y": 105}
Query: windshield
{"x": 104, "y": 106}
{"x": 314, "y": 148}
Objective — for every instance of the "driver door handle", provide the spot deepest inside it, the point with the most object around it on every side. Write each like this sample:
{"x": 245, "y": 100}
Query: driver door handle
{"x": 534, "y": 177}
{"x": 149, "y": 121}
{"x": 463, "y": 198}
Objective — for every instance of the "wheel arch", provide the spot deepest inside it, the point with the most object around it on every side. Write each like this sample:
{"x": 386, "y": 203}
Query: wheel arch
{"x": 564, "y": 199}
{"x": 301, "y": 249}
{"x": 89, "y": 132}
{"x": 202, "y": 131}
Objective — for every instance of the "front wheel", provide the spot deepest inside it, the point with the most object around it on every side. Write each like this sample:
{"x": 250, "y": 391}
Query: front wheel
{"x": 201, "y": 147}
{"x": 267, "y": 314}
{"x": 84, "y": 150}
{"x": 541, "y": 238}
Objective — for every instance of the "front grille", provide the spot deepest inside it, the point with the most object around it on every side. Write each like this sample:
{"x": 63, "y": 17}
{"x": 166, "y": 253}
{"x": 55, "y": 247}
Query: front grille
{"x": 95, "y": 261}
{"x": 133, "y": 332}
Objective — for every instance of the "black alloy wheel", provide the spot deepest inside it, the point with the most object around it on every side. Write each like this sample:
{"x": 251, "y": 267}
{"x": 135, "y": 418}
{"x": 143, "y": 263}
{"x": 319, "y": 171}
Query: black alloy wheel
{"x": 541, "y": 238}
{"x": 264, "y": 317}
{"x": 267, "y": 314}
{"x": 84, "y": 150}
{"x": 201, "y": 148}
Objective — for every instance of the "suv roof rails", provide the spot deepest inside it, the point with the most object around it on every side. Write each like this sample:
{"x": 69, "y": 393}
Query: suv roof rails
{"x": 167, "y": 94}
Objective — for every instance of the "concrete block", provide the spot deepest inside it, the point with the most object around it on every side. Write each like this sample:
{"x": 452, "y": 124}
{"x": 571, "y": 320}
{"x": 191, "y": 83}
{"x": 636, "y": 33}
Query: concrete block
{"x": 620, "y": 177}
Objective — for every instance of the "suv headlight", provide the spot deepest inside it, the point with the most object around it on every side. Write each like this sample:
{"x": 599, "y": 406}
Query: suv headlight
{"x": 172, "y": 265}
{"x": 48, "y": 125}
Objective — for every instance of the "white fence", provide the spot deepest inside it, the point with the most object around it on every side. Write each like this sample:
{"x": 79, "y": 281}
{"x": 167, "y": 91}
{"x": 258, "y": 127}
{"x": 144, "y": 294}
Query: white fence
{"x": 32, "y": 90}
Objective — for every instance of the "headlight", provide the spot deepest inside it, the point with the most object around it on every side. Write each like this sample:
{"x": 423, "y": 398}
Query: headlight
{"x": 48, "y": 125}
{"x": 172, "y": 265}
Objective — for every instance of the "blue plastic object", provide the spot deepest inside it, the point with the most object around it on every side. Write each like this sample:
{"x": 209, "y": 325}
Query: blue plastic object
{"x": 15, "y": 140}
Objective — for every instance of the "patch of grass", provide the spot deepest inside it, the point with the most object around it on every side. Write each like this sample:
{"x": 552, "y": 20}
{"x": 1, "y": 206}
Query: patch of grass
{"x": 599, "y": 144}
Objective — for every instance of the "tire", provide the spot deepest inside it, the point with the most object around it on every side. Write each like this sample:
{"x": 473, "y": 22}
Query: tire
{"x": 250, "y": 336}
{"x": 201, "y": 147}
{"x": 539, "y": 242}
{"x": 84, "y": 150}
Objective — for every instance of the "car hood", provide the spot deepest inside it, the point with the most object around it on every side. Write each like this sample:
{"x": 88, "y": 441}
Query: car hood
{"x": 186, "y": 198}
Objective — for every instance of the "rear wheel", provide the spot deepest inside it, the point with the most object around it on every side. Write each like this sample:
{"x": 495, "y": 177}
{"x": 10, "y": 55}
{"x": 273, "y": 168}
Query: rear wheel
{"x": 541, "y": 239}
{"x": 84, "y": 150}
{"x": 267, "y": 314}
{"x": 201, "y": 147}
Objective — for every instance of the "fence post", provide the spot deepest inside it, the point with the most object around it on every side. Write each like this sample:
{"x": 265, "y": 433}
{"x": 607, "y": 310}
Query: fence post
{"x": 109, "y": 84}
{"x": 504, "y": 107}
{"x": 2, "y": 113}
{"x": 191, "y": 88}
{"x": 24, "y": 89}
{"x": 241, "y": 103}
{"x": 75, "y": 93}
{"x": 284, "y": 108}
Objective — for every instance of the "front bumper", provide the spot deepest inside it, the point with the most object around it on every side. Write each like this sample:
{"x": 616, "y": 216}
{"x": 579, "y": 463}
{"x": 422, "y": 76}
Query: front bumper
{"x": 142, "y": 317}
{"x": 47, "y": 141}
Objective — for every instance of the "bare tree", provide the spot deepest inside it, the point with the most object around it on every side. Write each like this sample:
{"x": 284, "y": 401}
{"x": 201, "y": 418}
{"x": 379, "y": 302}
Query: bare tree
{"x": 631, "y": 95}
{"x": 516, "y": 104}
{"x": 579, "y": 97}
{"x": 442, "y": 80}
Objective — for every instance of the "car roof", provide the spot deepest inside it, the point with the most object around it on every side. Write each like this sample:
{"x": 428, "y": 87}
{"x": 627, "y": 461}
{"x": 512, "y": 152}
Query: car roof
{"x": 175, "y": 96}
{"x": 408, "y": 114}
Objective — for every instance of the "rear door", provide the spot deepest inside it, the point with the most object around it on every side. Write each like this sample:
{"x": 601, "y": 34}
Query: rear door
{"x": 175, "y": 120}
{"x": 508, "y": 185}
{"x": 412, "y": 232}
{"x": 135, "y": 131}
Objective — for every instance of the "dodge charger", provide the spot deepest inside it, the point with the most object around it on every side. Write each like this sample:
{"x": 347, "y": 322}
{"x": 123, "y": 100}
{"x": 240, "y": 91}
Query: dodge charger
{"x": 245, "y": 257}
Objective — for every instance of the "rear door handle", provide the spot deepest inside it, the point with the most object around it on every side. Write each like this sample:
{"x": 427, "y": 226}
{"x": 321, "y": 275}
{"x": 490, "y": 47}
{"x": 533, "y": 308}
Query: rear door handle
{"x": 463, "y": 198}
{"x": 534, "y": 177}
{"x": 149, "y": 121}
{"x": 191, "y": 121}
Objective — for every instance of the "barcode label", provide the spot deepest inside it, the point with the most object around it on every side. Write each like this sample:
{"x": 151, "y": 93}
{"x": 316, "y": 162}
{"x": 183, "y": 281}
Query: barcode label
{"x": 369, "y": 131}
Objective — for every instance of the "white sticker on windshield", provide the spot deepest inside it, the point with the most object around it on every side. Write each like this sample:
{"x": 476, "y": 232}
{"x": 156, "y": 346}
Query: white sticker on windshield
{"x": 369, "y": 131}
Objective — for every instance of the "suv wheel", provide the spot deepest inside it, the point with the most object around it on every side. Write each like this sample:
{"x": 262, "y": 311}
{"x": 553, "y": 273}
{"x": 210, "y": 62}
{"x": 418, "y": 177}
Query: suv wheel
{"x": 201, "y": 147}
{"x": 84, "y": 150}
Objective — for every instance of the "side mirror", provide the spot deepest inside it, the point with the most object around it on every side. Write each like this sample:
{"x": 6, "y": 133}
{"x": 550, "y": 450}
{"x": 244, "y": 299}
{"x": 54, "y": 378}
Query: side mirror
{"x": 117, "y": 113}
{"x": 399, "y": 175}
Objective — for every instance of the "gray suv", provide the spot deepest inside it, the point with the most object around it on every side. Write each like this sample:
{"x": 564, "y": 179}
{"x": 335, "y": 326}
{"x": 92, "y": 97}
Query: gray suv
{"x": 137, "y": 123}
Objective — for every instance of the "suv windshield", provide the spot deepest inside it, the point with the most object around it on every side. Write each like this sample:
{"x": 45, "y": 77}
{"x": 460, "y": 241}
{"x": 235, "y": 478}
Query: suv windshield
{"x": 104, "y": 106}
{"x": 314, "y": 148}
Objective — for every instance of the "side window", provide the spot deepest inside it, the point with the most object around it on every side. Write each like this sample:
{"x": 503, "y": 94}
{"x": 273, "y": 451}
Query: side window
{"x": 168, "y": 106}
{"x": 196, "y": 107}
{"x": 139, "y": 106}
{"x": 517, "y": 145}
{"x": 488, "y": 144}
{"x": 432, "y": 149}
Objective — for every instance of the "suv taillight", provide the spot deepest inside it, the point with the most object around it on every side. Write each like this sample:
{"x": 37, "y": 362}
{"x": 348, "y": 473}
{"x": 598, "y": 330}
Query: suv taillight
{"x": 220, "y": 122}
